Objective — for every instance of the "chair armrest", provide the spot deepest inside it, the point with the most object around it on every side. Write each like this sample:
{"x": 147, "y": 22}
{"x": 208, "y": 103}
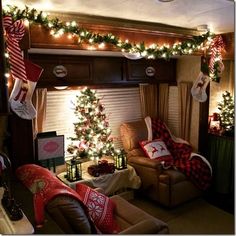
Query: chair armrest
{"x": 147, "y": 226}
{"x": 145, "y": 162}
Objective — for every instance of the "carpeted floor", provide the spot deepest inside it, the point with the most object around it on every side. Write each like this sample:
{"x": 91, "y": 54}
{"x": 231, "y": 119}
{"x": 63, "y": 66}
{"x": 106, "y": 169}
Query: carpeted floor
{"x": 194, "y": 217}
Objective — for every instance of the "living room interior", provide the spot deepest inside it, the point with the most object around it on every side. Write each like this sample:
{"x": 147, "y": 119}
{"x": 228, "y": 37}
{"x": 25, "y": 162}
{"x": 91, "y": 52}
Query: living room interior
{"x": 117, "y": 117}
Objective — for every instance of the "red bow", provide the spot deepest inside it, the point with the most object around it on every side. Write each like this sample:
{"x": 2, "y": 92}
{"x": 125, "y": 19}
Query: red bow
{"x": 14, "y": 33}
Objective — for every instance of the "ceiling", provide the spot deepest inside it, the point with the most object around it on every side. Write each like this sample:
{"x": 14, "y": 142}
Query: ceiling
{"x": 217, "y": 14}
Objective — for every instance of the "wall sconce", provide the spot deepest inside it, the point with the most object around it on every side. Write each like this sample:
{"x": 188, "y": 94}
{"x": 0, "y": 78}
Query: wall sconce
{"x": 73, "y": 170}
{"x": 120, "y": 160}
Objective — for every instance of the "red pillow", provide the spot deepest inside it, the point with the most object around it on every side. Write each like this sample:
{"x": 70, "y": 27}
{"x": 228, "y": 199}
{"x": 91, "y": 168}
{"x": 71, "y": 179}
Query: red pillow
{"x": 156, "y": 149}
{"x": 100, "y": 208}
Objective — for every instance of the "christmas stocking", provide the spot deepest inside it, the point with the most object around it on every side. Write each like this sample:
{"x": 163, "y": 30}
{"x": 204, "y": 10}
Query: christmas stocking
{"x": 20, "y": 98}
{"x": 198, "y": 90}
{"x": 25, "y": 73}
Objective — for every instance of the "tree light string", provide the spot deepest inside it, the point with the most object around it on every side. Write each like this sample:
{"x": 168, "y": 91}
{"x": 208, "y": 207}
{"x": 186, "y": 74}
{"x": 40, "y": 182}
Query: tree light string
{"x": 72, "y": 29}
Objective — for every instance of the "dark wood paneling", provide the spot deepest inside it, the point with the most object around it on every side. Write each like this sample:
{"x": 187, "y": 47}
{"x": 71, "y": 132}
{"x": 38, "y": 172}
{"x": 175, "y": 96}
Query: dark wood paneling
{"x": 21, "y": 146}
{"x": 203, "y": 125}
{"x": 88, "y": 70}
{"x": 107, "y": 70}
{"x": 229, "y": 40}
{"x": 79, "y": 70}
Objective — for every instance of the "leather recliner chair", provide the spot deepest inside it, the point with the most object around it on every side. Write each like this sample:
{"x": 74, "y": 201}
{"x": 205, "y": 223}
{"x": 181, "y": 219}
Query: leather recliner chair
{"x": 168, "y": 187}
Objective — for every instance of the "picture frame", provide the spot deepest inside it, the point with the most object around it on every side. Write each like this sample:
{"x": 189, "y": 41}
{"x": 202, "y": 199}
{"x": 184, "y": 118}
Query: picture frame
{"x": 49, "y": 150}
{"x": 50, "y": 147}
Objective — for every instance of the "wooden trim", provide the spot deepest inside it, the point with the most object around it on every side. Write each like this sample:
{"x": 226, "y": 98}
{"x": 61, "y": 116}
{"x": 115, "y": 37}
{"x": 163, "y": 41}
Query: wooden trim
{"x": 228, "y": 39}
{"x": 135, "y": 31}
{"x": 125, "y": 24}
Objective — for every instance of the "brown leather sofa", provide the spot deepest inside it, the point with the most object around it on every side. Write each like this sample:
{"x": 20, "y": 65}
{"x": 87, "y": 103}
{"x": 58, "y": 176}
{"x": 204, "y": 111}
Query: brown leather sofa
{"x": 168, "y": 187}
{"x": 65, "y": 215}
{"x": 69, "y": 215}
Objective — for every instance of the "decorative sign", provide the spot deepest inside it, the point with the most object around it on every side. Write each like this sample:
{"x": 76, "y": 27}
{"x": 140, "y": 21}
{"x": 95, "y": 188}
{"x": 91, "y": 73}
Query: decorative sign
{"x": 150, "y": 71}
{"x": 50, "y": 147}
{"x": 60, "y": 71}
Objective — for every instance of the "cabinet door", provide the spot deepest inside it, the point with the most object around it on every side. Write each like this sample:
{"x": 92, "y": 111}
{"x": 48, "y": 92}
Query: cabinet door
{"x": 151, "y": 70}
{"x": 63, "y": 70}
{"x": 221, "y": 157}
{"x": 108, "y": 70}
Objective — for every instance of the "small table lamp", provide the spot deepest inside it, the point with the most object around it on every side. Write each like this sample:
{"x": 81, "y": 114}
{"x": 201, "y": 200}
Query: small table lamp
{"x": 73, "y": 170}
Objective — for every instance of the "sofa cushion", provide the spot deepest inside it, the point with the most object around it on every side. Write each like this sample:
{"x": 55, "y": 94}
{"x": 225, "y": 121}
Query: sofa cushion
{"x": 131, "y": 133}
{"x": 100, "y": 207}
{"x": 128, "y": 215}
{"x": 69, "y": 214}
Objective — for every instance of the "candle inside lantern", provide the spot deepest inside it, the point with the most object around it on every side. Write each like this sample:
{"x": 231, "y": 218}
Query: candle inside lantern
{"x": 74, "y": 170}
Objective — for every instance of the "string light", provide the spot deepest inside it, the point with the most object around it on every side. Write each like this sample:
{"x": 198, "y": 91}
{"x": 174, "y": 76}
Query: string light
{"x": 153, "y": 51}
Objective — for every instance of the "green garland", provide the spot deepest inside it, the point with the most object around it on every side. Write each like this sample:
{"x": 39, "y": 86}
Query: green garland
{"x": 58, "y": 28}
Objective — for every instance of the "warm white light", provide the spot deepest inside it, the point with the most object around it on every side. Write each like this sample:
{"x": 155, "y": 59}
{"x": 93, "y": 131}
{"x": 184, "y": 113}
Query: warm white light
{"x": 82, "y": 34}
{"x": 26, "y": 23}
{"x": 61, "y": 87}
{"x": 7, "y": 75}
{"x": 91, "y": 48}
{"x": 73, "y": 23}
{"x": 101, "y": 45}
{"x": 153, "y": 46}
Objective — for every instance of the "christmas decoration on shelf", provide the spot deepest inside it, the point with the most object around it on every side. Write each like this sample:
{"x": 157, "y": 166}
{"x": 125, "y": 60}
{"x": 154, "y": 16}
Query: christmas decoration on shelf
{"x": 226, "y": 107}
{"x": 92, "y": 133}
{"x": 58, "y": 28}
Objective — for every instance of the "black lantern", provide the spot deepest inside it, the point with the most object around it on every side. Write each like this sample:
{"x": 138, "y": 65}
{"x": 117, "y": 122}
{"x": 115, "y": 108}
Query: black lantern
{"x": 120, "y": 160}
{"x": 74, "y": 170}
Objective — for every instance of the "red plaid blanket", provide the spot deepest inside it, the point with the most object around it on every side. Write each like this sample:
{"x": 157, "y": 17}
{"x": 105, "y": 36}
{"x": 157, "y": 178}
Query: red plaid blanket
{"x": 193, "y": 166}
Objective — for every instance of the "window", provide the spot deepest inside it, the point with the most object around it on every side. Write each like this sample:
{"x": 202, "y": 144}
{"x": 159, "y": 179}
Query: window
{"x": 121, "y": 104}
{"x": 173, "y": 110}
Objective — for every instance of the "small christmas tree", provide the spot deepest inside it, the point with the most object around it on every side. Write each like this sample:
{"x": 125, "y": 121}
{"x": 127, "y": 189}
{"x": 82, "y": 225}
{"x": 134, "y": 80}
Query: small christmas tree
{"x": 92, "y": 133}
{"x": 226, "y": 107}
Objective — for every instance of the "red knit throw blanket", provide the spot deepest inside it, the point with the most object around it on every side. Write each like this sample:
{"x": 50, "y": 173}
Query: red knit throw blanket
{"x": 45, "y": 186}
{"x": 193, "y": 167}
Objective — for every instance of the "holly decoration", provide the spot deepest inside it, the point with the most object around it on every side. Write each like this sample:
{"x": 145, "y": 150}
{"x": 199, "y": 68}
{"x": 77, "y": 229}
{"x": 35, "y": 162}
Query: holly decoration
{"x": 226, "y": 107}
{"x": 92, "y": 133}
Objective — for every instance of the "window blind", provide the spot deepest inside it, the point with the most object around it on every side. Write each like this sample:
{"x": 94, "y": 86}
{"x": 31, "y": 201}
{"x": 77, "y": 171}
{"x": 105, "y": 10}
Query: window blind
{"x": 173, "y": 110}
{"x": 121, "y": 105}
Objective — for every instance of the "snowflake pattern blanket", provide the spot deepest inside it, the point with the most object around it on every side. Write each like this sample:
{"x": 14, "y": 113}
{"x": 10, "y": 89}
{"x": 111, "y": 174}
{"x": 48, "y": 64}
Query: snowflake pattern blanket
{"x": 193, "y": 165}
